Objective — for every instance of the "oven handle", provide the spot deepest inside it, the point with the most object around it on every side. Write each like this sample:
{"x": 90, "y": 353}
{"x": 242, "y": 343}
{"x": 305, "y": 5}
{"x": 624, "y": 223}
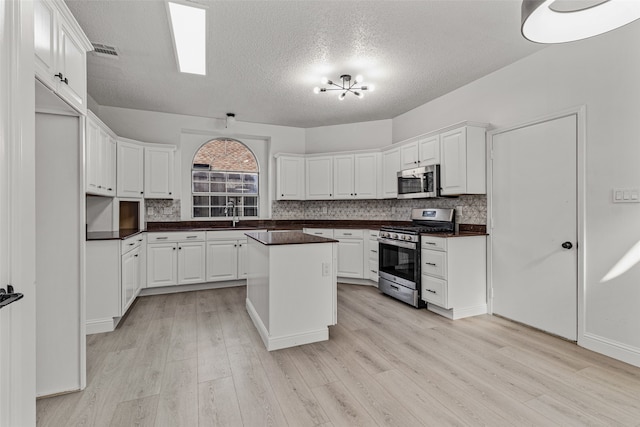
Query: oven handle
{"x": 408, "y": 245}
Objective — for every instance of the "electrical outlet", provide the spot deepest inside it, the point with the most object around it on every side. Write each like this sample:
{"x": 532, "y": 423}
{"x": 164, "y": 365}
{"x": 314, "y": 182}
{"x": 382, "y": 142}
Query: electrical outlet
{"x": 149, "y": 210}
{"x": 326, "y": 267}
{"x": 324, "y": 210}
{"x": 626, "y": 195}
{"x": 459, "y": 211}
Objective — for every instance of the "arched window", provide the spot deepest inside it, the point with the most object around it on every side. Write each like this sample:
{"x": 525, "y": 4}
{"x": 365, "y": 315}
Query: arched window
{"x": 224, "y": 177}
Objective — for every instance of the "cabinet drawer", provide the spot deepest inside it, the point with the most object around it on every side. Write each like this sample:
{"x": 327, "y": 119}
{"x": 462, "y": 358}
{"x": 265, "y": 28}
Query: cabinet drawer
{"x": 348, "y": 234}
{"x": 373, "y": 270}
{"x": 434, "y": 263}
{"x": 373, "y": 251}
{"x": 373, "y": 234}
{"x": 178, "y": 236}
{"x": 131, "y": 243}
{"x": 324, "y": 232}
{"x": 434, "y": 291}
{"x": 435, "y": 243}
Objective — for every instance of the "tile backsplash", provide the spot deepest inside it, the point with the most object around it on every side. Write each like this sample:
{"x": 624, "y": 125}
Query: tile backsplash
{"x": 162, "y": 210}
{"x": 470, "y": 209}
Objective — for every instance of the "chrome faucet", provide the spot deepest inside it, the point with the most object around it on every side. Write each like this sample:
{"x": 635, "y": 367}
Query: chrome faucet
{"x": 234, "y": 218}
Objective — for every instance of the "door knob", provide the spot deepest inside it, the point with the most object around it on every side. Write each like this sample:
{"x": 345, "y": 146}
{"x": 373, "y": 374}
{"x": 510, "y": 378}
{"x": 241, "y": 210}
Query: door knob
{"x": 567, "y": 245}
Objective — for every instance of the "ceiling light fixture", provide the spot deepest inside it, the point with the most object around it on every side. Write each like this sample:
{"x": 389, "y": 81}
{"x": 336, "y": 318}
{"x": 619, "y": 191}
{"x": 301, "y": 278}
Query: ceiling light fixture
{"x": 189, "y": 31}
{"x": 231, "y": 119}
{"x": 561, "y": 21}
{"x": 346, "y": 86}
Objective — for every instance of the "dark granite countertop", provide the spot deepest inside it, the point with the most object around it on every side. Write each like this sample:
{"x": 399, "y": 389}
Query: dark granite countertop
{"x": 288, "y": 238}
{"x": 459, "y": 234}
{"x": 112, "y": 235}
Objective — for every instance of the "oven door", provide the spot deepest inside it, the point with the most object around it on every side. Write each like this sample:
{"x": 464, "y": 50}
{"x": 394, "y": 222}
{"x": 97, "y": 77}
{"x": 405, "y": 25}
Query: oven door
{"x": 399, "y": 260}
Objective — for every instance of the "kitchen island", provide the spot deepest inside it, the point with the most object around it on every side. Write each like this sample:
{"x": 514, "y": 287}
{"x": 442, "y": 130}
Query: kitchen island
{"x": 291, "y": 287}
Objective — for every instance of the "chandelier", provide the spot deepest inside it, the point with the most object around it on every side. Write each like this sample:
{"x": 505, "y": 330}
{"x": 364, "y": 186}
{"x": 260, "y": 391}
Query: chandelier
{"x": 347, "y": 85}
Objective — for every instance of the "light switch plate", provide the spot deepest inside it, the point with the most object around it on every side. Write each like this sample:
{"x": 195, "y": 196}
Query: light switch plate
{"x": 626, "y": 195}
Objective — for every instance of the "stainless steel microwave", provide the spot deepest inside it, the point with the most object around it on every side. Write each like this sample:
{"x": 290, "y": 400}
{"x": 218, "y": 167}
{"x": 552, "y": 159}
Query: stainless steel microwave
{"x": 419, "y": 183}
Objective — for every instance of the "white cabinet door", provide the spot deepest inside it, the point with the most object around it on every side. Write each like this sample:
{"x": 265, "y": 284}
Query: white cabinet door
{"x": 72, "y": 63}
{"x": 130, "y": 277}
{"x": 319, "y": 174}
{"x": 45, "y": 42}
{"x": 162, "y": 263}
{"x": 242, "y": 259}
{"x": 222, "y": 260}
{"x": 109, "y": 165}
{"x": 409, "y": 155}
{"x": 130, "y": 170}
{"x": 93, "y": 158}
{"x": 453, "y": 172}
{"x": 390, "y": 168}
{"x": 365, "y": 176}
{"x": 350, "y": 258}
{"x": 158, "y": 173}
{"x": 290, "y": 178}
{"x": 343, "y": 173}
{"x": 191, "y": 262}
{"x": 429, "y": 151}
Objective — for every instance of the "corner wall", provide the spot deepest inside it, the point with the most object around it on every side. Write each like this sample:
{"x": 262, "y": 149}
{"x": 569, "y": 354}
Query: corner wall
{"x": 602, "y": 73}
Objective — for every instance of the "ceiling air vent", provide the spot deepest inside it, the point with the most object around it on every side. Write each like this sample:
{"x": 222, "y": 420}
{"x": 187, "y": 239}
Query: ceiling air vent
{"x": 105, "y": 51}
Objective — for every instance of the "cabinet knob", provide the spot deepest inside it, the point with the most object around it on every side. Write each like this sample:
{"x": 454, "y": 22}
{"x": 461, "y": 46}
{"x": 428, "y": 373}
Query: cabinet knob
{"x": 174, "y": 248}
{"x": 170, "y": 193}
{"x": 110, "y": 189}
{"x": 99, "y": 186}
{"x": 142, "y": 192}
{"x": 180, "y": 248}
{"x": 136, "y": 255}
{"x": 59, "y": 75}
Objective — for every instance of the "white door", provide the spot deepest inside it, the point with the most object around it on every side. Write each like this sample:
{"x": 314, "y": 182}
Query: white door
{"x": 453, "y": 155}
{"x": 319, "y": 174}
{"x": 350, "y": 259}
{"x": 534, "y": 213}
{"x": 130, "y": 170}
{"x": 191, "y": 263}
{"x": 222, "y": 260}
{"x": 365, "y": 176}
{"x": 162, "y": 264}
{"x": 343, "y": 177}
{"x": 158, "y": 170}
{"x": 17, "y": 215}
{"x": 429, "y": 149}
{"x": 130, "y": 277}
{"x": 390, "y": 168}
{"x": 243, "y": 248}
{"x": 290, "y": 178}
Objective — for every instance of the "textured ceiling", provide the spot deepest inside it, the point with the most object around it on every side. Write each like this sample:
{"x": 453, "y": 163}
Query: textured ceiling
{"x": 265, "y": 57}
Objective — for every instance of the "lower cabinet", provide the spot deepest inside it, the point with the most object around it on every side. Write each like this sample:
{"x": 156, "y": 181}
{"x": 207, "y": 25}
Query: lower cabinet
{"x": 114, "y": 277}
{"x": 175, "y": 258}
{"x": 227, "y": 255}
{"x": 454, "y": 275}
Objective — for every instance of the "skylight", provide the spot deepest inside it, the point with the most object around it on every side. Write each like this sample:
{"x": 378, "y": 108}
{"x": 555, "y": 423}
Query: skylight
{"x": 188, "y": 25}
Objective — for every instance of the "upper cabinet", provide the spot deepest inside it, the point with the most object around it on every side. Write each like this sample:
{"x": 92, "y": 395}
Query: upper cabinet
{"x": 391, "y": 165}
{"x": 101, "y": 158}
{"x": 355, "y": 176}
{"x": 158, "y": 172}
{"x": 319, "y": 178}
{"x": 130, "y": 169}
{"x": 60, "y": 48}
{"x": 463, "y": 162}
{"x": 290, "y": 177}
{"x": 421, "y": 152}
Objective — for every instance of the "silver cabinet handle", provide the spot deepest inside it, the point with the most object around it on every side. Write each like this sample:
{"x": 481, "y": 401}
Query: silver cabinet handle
{"x": 348, "y": 234}
{"x": 375, "y": 252}
{"x": 161, "y": 238}
{"x": 429, "y": 290}
{"x": 431, "y": 263}
{"x": 430, "y": 243}
{"x": 131, "y": 244}
{"x": 191, "y": 237}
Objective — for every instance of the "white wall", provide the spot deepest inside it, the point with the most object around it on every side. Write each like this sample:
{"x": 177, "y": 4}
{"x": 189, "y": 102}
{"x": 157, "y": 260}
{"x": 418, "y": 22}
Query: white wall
{"x": 352, "y": 136}
{"x": 165, "y": 128}
{"x": 602, "y": 73}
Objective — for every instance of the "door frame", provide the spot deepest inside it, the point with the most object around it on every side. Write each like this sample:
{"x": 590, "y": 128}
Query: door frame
{"x": 581, "y": 134}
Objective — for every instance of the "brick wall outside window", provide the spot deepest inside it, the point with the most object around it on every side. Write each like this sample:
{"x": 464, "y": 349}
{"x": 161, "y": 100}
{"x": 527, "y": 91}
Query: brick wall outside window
{"x": 227, "y": 155}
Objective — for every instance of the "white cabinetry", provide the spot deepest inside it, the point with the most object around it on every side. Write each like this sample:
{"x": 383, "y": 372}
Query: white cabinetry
{"x": 60, "y": 48}
{"x": 463, "y": 166}
{"x": 319, "y": 178}
{"x": 100, "y": 158}
{"x": 158, "y": 172}
{"x": 290, "y": 178}
{"x": 176, "y": 258}
{"x": 355, "y": 176}
{"x": 115, "y": 274}
{"x": 226, "y": 255}
{"x": 371, "y": 255}
{"x": 130, "y": 161}
{"x": 420, "y": 152}
{"x": 350, "y": 253}
{"x": 391, "y": 165}
{"x": 454, "y": 275}
{"x": 409, "y": 155}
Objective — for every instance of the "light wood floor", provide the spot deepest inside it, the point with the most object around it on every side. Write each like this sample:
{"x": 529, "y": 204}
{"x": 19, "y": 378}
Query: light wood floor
{"x": 195, "y": 359}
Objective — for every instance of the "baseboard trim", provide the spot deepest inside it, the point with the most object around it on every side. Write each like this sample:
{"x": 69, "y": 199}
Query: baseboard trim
{"x": 611, "y": 348}
{"x": 100, "y": 326}
{"x": 460, "y": 313}
{"x": 352, "y": 281}
{"x": 194, "y": 287}
{"x": 284, "y": 341}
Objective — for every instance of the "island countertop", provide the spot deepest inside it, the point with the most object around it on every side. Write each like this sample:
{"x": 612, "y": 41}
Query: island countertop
{"x": 287, "y": 238}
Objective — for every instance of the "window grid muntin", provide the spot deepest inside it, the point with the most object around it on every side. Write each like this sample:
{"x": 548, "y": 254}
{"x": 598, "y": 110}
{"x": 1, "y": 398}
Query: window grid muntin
{"x": 220, "y": 187}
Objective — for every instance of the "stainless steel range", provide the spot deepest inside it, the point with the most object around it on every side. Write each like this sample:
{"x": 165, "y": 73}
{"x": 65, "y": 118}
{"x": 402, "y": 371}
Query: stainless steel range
{"x": 399, "y": 253}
